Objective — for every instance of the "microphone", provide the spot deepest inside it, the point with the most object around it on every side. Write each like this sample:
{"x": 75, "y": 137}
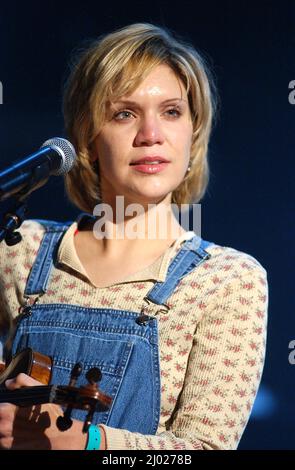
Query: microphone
{"x": 55, "y": 157}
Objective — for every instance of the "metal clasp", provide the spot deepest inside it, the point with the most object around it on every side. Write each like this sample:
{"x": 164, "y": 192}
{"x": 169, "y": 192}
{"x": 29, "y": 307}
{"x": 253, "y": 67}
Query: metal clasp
{"x": 25, "y": 310}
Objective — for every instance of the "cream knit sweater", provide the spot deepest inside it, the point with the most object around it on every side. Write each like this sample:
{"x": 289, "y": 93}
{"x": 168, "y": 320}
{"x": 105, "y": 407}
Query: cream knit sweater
{"x": 211, "y": 341}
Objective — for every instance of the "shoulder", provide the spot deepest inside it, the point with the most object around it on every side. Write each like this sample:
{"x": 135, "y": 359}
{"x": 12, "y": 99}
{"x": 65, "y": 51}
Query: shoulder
{"x": 16, "y": 262}
{"x": 230, "y": 284}
{"x": 32, "y": 232}
{"x": 231, "y": 260}
{"x": 228, "y": 269}
{"x": 41, "y": 226}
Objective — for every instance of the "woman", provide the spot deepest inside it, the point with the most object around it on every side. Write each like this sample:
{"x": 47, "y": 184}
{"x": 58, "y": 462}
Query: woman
{"x": 176, "y": 324}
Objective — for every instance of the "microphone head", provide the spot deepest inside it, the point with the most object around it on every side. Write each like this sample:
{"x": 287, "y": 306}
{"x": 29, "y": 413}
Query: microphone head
{"x": 66, "y": 151}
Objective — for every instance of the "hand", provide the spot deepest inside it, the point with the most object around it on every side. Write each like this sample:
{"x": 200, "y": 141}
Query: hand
{"x": 35, "y": 427}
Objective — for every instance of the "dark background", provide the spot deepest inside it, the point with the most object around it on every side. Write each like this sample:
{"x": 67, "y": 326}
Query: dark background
{"x": 249, "y": 204}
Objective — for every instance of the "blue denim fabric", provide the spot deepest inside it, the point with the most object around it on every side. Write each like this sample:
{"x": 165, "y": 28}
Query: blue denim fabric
{"x": 122, "y": 346}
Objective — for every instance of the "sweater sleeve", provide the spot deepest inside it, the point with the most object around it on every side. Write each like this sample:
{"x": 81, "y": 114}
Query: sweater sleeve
{"x": 15, "y": 264}
{"x": 223, "y": 374}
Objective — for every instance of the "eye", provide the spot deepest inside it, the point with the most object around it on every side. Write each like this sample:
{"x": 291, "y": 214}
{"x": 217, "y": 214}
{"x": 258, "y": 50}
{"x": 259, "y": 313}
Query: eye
{"x": 173, "y": 112}
{"x": 123, "y": 115}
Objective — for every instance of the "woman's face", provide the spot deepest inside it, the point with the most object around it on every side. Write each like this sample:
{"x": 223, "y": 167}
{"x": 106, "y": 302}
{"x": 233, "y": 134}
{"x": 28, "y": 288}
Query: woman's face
{"x": 152, "y": 124}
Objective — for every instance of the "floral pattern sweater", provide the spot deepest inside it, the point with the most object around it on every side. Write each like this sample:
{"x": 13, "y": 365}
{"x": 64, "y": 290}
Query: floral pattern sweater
{"x": 211, "y": 340}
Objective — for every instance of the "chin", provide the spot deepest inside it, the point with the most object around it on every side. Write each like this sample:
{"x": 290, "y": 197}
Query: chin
{"x": 155, "y": 198}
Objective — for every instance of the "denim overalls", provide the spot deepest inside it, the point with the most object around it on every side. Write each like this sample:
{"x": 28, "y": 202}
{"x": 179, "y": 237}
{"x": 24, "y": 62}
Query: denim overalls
{"x": 122, "y": 344}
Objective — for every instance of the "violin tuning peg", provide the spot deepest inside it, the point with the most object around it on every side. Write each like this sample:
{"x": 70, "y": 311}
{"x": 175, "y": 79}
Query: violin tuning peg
{"x": 93, "y": 375}
{"x": 76, "y": 371}
{"x": 88, "y": 420}
{"x": 86, "y": 426}
{"x": 64, "y": 423}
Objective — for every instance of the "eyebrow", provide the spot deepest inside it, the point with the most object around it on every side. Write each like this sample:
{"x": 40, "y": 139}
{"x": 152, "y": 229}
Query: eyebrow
{"x": 134, "y": 103}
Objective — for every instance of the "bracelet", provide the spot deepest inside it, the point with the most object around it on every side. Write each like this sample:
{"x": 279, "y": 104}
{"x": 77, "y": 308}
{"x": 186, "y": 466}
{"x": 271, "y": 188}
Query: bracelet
{"x": 94, "y": 438}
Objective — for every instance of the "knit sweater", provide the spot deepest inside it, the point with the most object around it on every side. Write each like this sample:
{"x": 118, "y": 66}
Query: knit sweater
{"x": 211, "y": 340}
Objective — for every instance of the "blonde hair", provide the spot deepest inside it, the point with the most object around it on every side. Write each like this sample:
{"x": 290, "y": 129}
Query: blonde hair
{"x": 114, "y": 66}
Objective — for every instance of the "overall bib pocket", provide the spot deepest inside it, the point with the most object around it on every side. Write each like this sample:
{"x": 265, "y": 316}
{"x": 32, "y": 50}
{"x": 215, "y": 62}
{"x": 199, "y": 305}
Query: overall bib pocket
{"x": 110, "y": 340}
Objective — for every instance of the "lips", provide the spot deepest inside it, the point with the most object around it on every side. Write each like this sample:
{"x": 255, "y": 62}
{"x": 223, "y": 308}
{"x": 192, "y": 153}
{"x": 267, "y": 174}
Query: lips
{"x": 150, "y": 165}
{"x": 150, "y": 160}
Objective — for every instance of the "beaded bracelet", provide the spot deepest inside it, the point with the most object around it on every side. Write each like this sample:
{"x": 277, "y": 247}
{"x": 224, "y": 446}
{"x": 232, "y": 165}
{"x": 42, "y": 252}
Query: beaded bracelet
{"x": 94, "y": 438}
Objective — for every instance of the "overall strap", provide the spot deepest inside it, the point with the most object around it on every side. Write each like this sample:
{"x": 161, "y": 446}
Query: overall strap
{"x": 39, "y": 275}
{"x": 191, "y": 254}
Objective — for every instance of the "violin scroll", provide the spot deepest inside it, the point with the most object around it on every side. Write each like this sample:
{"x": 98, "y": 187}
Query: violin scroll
{"x": 65, "y": 422}
{"x": 89, "y": 398}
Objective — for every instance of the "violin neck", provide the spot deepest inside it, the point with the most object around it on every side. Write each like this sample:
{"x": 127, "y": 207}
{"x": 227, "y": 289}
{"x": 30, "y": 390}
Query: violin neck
{"x": 28, "y": 396}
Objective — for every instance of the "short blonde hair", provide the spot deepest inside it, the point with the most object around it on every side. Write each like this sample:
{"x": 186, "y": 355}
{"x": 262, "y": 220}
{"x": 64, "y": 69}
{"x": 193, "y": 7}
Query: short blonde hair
{"x": 114, "y": 66}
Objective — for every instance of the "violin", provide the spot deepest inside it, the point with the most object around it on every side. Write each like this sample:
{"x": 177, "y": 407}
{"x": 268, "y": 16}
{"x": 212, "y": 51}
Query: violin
{"x": 87, "y": 397}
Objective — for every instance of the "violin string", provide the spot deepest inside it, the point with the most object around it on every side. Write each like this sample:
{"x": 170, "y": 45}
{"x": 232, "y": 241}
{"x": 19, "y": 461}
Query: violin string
{"x": 39, "y": 394}
{"x": 31, "y": 393}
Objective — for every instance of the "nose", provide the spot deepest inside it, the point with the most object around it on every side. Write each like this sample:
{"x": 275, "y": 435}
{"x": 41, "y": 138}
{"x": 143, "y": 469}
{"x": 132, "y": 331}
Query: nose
{"x": 149, "y": 132}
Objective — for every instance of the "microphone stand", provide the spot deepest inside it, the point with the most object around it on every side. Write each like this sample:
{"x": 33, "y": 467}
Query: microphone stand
{"x": 14, "y": 217}
{"x": 11, "y": 221}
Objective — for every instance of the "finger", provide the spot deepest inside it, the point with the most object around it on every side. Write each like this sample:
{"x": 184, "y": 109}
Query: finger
{"x": 7, "y": 416}
{"x": 21, "y": 380}
{"x": 6, "y": 411}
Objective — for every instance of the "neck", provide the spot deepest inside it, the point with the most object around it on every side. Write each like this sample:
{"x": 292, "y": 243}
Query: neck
{"x": 135, "y": 227}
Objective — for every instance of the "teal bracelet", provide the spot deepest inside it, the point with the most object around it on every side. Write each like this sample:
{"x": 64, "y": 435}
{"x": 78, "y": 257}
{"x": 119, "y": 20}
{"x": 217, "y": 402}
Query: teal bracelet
{"x": 94, "y": 438}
